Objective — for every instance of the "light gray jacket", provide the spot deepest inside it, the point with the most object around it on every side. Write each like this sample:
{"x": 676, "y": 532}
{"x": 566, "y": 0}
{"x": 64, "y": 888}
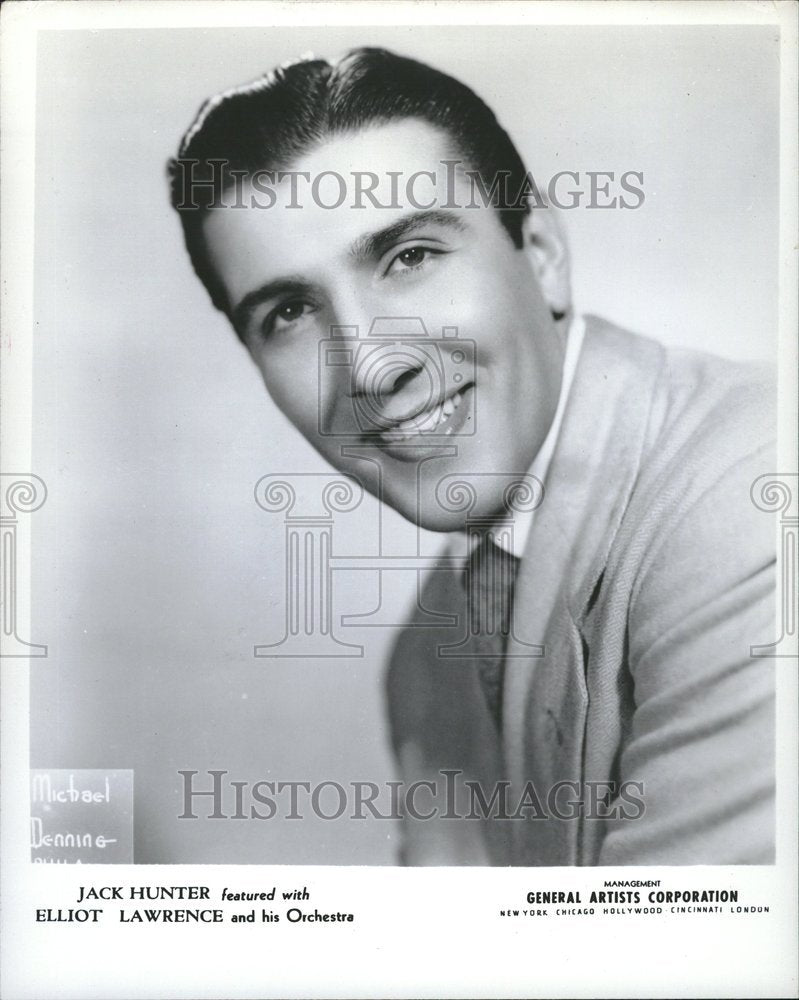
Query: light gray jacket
{"x": 647, "y": 576}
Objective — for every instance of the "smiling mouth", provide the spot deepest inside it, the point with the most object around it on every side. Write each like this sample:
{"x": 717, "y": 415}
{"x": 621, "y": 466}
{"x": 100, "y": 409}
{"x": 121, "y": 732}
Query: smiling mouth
{"x": 440, "y": 418}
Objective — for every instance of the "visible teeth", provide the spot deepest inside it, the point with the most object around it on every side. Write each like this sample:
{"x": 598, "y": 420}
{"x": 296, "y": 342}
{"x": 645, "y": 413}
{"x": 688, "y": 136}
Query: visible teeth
{"x": 425, "y": 421}
{"x": 431, "y": 420}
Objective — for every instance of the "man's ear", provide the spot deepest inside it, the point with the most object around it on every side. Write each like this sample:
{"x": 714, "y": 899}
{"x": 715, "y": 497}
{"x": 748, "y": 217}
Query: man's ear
{"x": 548, "y": 254}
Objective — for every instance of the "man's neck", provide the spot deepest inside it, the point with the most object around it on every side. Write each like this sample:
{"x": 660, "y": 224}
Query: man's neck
{"x": 513, "y": 528}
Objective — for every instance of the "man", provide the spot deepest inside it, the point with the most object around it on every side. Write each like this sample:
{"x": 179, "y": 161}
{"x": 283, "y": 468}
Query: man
{"x": 616, "y": 708}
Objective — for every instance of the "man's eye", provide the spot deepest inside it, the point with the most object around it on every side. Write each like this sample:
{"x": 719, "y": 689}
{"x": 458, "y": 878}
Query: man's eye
{"x": 409, "y": 259}
{"x": 290, "y": 311}
{"x": 285, "y": 315}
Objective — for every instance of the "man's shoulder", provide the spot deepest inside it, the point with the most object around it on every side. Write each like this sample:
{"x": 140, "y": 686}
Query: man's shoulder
{"x": 710, "y": 430}
{"x": 699, "y": 407}
{"x": 658, "y": 459}
{"x": 684, "y": 369}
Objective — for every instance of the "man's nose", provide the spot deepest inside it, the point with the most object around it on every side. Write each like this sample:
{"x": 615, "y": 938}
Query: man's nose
{"x": 391, "y": 378}
{"x": 389, "y": 371}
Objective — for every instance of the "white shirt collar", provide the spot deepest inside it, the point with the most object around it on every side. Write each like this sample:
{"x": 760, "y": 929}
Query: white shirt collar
{"x": 522, "y": 521}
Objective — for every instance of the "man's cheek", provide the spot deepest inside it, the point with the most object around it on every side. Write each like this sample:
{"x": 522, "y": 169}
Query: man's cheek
{"x": 296, "y": 401}
{"x": 475, "y": 316}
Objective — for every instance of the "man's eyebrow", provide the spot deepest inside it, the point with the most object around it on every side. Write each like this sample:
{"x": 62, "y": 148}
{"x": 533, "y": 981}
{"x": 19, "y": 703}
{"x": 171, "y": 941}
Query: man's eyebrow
{"x": 371, "y": 244}
{"x": 376, "y": 243}
{"x": 290, "y": 285}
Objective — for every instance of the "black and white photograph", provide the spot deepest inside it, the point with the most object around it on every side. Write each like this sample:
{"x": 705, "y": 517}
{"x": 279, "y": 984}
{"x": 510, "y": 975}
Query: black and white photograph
{"x": 400, "y": 481}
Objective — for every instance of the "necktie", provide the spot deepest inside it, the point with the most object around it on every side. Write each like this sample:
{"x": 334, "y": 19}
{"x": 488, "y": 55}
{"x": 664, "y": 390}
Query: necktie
{"x": 489, "y": 582}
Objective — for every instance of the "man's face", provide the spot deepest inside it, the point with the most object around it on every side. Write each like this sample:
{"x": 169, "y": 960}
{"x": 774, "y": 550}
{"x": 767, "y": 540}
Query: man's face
{"x": 402, "y": 412}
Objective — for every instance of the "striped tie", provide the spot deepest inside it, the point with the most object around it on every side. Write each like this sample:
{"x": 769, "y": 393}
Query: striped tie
{"x": 489, "y": 583}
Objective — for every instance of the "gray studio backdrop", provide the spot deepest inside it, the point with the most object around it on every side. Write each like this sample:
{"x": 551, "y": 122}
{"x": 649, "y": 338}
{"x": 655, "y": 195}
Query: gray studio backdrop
{"x": 155, "y": 572}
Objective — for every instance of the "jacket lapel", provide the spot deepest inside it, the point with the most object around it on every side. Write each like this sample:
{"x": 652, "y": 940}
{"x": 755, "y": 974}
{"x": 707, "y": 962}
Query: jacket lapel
{"x": 590, "y": 478}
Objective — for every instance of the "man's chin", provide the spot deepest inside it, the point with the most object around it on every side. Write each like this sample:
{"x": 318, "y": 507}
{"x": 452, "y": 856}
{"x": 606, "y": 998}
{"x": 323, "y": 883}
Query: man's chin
{"x": 435, "y": 494}
{"x": 442, "y": 522}
{"x": 429, "y": 513}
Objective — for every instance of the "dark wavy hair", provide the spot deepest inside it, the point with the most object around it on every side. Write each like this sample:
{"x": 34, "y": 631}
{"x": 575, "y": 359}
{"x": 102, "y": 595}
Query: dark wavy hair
{"x": 268, "y": 124}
